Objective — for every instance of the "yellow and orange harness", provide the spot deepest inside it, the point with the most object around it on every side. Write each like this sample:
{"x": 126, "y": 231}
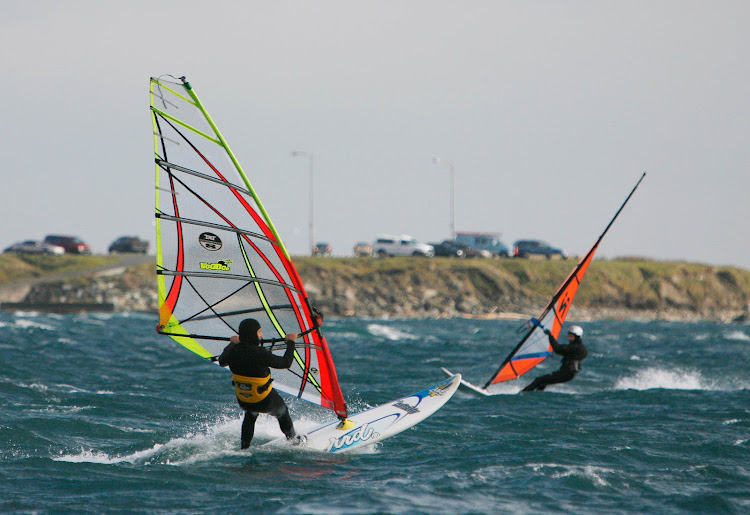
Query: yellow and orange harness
{"x": 252, "y": 389}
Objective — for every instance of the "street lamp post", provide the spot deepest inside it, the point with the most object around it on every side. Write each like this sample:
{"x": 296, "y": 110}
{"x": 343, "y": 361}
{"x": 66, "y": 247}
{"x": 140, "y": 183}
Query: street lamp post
{"x": 438, "y": 160}
{"x": 309, "y": 157}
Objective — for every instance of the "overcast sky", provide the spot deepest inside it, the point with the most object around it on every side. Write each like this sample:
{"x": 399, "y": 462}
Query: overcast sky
{"x": 550, "y": 111}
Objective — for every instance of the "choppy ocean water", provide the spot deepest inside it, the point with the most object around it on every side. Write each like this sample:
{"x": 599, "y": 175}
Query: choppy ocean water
{"x": 99, "y": 413}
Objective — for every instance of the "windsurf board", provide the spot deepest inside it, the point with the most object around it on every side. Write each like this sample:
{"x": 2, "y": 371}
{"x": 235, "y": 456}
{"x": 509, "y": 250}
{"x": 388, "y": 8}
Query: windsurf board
{"x": 378, "y": 423}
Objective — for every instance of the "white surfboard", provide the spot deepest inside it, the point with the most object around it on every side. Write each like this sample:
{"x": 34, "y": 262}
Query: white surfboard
{"x": 467, "y": 385}
{"x": 378, "y": 423}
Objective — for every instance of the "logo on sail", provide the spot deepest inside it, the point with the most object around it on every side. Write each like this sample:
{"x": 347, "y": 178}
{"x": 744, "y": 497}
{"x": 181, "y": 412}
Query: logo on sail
{"x": 361, "y": 434}
{"x": 209, "y": 241}
{"x": 221, "y": 265}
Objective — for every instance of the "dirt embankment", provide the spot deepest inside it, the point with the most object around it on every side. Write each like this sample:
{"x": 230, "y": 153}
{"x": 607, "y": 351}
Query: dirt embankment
{"x": 621, "y": 289}
{"x": 413, "y": 287}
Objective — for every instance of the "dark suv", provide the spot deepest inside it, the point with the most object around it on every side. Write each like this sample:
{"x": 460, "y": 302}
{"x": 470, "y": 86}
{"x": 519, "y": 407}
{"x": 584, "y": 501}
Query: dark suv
{"x": 321, "y": 249}
{"x": 449, "y": 248}
{"x": 71, "y": 244}
{"x": 129, "y": 244}
{"x": 526, "y": 248}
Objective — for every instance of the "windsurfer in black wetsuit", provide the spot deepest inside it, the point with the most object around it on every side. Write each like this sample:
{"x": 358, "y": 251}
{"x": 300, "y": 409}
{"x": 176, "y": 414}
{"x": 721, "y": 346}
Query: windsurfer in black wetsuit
{"x": 251, "y": 377}
{"x": 573, "y": 354}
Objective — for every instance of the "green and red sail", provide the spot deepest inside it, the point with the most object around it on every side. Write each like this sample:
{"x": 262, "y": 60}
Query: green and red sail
{"x": 219, "y": 257}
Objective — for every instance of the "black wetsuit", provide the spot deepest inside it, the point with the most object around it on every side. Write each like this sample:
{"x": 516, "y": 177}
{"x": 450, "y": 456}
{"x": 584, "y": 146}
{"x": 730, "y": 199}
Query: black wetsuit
{"x": 573, "y": 354}
{"x": 248, "y": 359}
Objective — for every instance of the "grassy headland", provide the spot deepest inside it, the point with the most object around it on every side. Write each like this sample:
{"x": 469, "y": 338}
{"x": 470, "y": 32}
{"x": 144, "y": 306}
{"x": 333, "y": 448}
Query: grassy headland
{"x": 621, "y": 288}
{"x": 19, "y": 267}
{"x": 418, "y": 287}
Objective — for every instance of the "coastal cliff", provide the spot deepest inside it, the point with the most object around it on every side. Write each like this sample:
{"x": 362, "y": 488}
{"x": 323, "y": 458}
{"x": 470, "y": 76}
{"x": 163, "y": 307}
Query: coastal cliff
{"x": 432, "y": 288}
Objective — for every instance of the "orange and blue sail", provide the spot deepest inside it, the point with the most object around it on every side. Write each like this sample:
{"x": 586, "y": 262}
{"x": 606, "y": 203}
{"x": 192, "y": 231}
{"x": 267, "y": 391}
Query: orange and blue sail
{"x": 219, "y": 257}
{"x": 534, "y": 347}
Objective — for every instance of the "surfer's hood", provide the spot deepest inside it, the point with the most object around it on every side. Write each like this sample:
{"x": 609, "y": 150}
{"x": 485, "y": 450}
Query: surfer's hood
{"x": 249, "y": 331}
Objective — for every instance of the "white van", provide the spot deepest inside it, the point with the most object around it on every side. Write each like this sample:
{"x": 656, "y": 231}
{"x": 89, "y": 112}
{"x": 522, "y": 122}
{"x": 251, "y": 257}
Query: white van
{"x": 400, "y": 245}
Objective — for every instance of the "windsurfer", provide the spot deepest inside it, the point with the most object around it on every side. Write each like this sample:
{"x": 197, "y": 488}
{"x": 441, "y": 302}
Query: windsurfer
{"x": 573, "y": 354}
{"x": 251, "y": 377}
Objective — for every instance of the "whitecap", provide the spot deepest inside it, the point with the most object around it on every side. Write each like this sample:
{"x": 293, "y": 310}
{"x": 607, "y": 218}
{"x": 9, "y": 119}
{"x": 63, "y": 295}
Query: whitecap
{"x": 32, "y": 324}
{"x": 388, "y": 332}
{"x": 737, "y": 335}
{"x": 89, "y": 456}
{"x": 344, "y": 336}
{"x": 652, "y": 378}
{"x": 214, "y": 441}
{"x": 595, "y": 474}
{"x": 75, "y": 389}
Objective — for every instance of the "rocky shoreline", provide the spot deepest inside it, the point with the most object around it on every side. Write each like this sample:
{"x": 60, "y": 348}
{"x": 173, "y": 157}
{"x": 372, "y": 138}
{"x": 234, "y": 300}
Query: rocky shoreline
{"x": 412, "y": 288}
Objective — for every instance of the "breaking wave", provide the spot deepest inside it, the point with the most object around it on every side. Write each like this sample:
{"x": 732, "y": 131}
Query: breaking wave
{"x": 389, "y": 332}
{"x": 676, "y": 379}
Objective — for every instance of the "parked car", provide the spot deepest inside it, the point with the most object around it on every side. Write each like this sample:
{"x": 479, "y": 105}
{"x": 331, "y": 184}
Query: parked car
{"x": 36, "y": 247}
{"x": 71, "y": 244}
{"x": 363, "y": 249}
{"x": 125, "y": 244}
{"x": 526, "y": 248}
{"x": 321, "y": 249}
{"x": 450, "y": 248}
{"x": 489, "y": 241}
{"x": 401, "y": 245}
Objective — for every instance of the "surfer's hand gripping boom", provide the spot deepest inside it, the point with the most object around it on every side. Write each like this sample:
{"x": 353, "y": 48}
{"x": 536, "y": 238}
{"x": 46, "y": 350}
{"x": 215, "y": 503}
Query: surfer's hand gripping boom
{"x": 533, "y": 322}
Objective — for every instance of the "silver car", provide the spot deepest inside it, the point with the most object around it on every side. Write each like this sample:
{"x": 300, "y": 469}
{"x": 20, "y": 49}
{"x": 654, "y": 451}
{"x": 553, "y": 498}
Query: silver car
{"x": 36, "y": 247}
{"x": 400, "y": 245}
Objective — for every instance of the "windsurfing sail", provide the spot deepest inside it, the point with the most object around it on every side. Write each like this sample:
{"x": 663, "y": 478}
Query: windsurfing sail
{"x": 534, "y": 346}
{"x": 219, "y": 257}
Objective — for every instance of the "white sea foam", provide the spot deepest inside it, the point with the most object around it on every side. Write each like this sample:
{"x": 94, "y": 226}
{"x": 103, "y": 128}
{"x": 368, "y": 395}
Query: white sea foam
{"x": 75, "y": 389}
{"x": 128, "y": 429}
{"x": 27, "y": 314}
{"x": 596, "y": 475}
{"x": 389, "y": 332}
{"x": 652, "y": 378}
{"x": 39, "y": 387}
{"x": 24, "y": 323}
{"x": 342, "y": 337}
{"x": 87, "y": 456}
{"x": 87, "y": 319}
{"x": 737, "y": 335}
{"x": 206, "y": 445}
{"x": 215, "y": 441}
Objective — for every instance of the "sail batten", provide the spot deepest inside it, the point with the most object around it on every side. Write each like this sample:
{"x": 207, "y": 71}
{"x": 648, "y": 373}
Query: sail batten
{"x": 219, "y": 257}
{"x": 201, "y": 175}
{"x": 534, "y": 347}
